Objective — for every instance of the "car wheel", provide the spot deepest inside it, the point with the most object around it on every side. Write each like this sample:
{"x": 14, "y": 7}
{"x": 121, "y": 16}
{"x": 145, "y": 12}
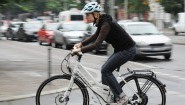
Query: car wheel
{"x": 95, "y": 51}
{"x": 40, "y": 42}
{"x": 7, "y": 37}
{"x": 167, "y": 56}
{"x": 176, "y": 33}
{"x": 7, "y": 34}
{"x": 65, "y": 46}
{"x": 54, "y": 44}
{"x": 12, "y": 38}
{"x": 25, "y": 39}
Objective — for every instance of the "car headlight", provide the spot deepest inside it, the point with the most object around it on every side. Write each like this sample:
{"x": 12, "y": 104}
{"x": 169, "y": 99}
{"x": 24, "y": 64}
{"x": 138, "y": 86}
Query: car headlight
{"x": 169, "y": 42}
{"x": 141, "y": 44}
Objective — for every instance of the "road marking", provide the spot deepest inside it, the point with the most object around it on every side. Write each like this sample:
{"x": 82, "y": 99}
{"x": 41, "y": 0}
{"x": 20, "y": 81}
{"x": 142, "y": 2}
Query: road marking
{"x": 29, "y": 73}
{"x": 182, "y": 78}
{"x": 175, "y": 93}
{"x": 169, "y": 75}
{"x": 165, "y": 74}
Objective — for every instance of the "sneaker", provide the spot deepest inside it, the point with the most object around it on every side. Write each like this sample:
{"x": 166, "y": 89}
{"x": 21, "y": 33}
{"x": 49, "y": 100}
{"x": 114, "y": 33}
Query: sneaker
{"x": 121, "y": 101}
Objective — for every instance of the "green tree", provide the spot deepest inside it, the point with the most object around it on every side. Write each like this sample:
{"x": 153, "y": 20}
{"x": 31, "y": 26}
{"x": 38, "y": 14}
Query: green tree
{"x": 140, "y": 7}
{"x": 14, "y": 7}
{"x": 173, "y": 6}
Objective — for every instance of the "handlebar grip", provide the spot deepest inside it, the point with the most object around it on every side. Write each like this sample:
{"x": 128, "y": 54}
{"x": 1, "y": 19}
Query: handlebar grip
{"x": 79, "y": 55}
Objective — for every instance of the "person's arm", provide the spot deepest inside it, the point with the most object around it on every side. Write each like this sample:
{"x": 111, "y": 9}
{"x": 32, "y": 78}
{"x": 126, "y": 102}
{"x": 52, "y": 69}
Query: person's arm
{"x": 90, "y": 39}
{"x": 87, "y": 41}
{"x": 100, "y": 38}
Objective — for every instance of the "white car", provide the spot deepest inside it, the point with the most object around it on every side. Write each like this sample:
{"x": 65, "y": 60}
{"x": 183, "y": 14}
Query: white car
{"x": 149, "y": 41}
{"x": 179, "y": 27}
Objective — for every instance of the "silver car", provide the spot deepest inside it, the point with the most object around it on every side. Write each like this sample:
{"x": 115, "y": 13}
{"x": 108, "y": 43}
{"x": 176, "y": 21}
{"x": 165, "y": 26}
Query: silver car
{"x": 68, "y": 34}
{"x": 149, "y": 41}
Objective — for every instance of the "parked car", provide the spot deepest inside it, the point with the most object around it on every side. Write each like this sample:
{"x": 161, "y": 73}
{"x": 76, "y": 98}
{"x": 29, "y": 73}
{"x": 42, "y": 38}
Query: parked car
{"x": 28, "y": 31}
{"x": 179, "y": 27}
{"x": 12, "y": 30}
{"x": 46, "y": 33}
{"x": 89, "y": 32}
{"x": 69, "y": 33}
{"x": 149, "y": 41}
{"x": 3, "y": 27}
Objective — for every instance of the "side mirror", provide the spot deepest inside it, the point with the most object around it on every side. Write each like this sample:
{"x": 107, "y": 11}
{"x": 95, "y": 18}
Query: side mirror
{"x": 88, "y": 33}
{"x": 61, "y": 29}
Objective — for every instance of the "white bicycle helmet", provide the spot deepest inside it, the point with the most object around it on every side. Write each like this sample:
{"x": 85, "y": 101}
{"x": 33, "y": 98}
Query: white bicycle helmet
{"x": 91, "y": 7}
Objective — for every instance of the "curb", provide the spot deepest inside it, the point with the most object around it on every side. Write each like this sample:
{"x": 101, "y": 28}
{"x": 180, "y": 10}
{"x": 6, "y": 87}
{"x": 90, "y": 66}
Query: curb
{"x": 18, "y": 97}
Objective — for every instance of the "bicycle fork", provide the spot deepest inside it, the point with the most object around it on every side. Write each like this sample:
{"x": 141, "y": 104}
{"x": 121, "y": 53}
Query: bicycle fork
{"x": 133, "y": 102}
{"x": 67, "y": 91}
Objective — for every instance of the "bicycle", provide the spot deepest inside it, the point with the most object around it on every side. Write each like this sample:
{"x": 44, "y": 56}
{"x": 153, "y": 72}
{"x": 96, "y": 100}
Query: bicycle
{"x": 141, "y": 86}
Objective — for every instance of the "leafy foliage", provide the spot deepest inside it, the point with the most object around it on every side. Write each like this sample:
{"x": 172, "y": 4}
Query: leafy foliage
{"x": 173, "y": 6}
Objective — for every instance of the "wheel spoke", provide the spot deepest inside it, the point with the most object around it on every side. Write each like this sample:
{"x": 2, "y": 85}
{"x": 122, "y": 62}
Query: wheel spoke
{"x": 146, "y": 86}
{"x": 148, "y": 89}
{"x": 54, "y": 91}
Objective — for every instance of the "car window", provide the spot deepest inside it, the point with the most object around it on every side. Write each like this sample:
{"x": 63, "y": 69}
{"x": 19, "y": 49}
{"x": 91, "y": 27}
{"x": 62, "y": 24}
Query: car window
{"x": 142, "y": 29}
{"x": 32, "y": 25}
{"x": 75, "y": 27}
{"x": 76, "y": 17}
{"x": 51, "y": 26}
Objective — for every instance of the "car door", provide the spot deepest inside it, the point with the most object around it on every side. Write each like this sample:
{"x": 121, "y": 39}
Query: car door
{"x": 59, "y": 35}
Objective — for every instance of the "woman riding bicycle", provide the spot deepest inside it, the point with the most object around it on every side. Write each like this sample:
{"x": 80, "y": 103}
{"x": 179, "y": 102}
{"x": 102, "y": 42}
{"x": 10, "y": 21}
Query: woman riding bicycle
{"x": 111, "y": 32}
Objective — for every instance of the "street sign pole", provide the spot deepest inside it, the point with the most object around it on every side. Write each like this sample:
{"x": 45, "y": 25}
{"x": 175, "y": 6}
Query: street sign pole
{"x": 49, "y": 61}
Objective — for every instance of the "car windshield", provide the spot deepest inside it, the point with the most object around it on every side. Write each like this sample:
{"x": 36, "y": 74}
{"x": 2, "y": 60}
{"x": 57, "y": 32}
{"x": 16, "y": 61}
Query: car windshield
{"x": 75, "y": 27}
{"x": 33, "y": 25}
{"x": 142, "y": 29}
{"x": 51, "y": 26}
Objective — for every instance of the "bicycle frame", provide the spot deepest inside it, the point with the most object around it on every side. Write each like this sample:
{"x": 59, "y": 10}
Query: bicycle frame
{"x": 94, "y": 85}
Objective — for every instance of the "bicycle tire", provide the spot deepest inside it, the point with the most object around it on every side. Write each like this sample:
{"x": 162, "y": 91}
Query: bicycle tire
{"x": 58, "y": 93}
{"x": 145, "y": 97}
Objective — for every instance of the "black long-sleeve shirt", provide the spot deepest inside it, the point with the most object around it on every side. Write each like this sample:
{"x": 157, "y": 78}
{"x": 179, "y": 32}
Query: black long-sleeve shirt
{"x": 112, "y": 33}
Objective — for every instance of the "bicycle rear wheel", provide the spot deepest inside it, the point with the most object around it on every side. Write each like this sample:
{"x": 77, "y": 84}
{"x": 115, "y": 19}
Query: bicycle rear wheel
{"x": 150, "y": 90}
{"x": 52, "y": 90}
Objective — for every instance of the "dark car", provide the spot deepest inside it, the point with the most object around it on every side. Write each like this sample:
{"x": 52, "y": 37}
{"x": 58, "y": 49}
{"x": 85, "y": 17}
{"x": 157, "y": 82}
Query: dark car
{"x": 28, "y": 31}
{"x": 90, "y": 31}
{"x": 12, "y": 30}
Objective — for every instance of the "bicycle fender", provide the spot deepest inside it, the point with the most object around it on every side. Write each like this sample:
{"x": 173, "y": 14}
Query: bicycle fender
{"x": 149, "y": 76}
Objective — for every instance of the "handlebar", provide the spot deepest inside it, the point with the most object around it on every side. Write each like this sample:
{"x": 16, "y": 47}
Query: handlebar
{"x": 67, "y": 62}
{"x": 79, "y": 55}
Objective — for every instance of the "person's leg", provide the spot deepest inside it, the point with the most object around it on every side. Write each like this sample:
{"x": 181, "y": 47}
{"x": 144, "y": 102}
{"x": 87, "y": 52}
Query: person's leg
{"x": 116, "y": 60}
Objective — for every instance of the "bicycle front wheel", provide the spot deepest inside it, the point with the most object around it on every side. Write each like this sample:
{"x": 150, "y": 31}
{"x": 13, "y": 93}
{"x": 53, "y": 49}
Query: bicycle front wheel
{"x": 150, "y": 90}
{"x": 51, "y": 92}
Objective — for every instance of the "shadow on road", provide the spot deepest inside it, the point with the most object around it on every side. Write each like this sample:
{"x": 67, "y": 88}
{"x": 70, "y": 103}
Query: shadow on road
{"x": 151, "y": 59}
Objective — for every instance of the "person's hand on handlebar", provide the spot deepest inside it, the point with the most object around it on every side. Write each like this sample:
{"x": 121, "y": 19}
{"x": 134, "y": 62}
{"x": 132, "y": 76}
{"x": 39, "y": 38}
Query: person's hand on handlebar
{"x": 78, "y": 45}
{"x": 76, "y": 51}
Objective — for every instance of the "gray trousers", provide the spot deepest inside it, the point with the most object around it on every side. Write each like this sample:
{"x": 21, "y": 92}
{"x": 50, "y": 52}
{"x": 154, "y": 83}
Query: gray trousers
{"x": 114, "y": 61}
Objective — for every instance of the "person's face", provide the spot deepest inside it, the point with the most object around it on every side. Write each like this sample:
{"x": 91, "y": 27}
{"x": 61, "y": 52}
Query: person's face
{"x": 89, "y": 17}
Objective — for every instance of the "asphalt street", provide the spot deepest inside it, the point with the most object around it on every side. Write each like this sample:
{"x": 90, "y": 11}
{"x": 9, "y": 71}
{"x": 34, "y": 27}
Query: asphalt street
{"x": 20, "y": 60}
